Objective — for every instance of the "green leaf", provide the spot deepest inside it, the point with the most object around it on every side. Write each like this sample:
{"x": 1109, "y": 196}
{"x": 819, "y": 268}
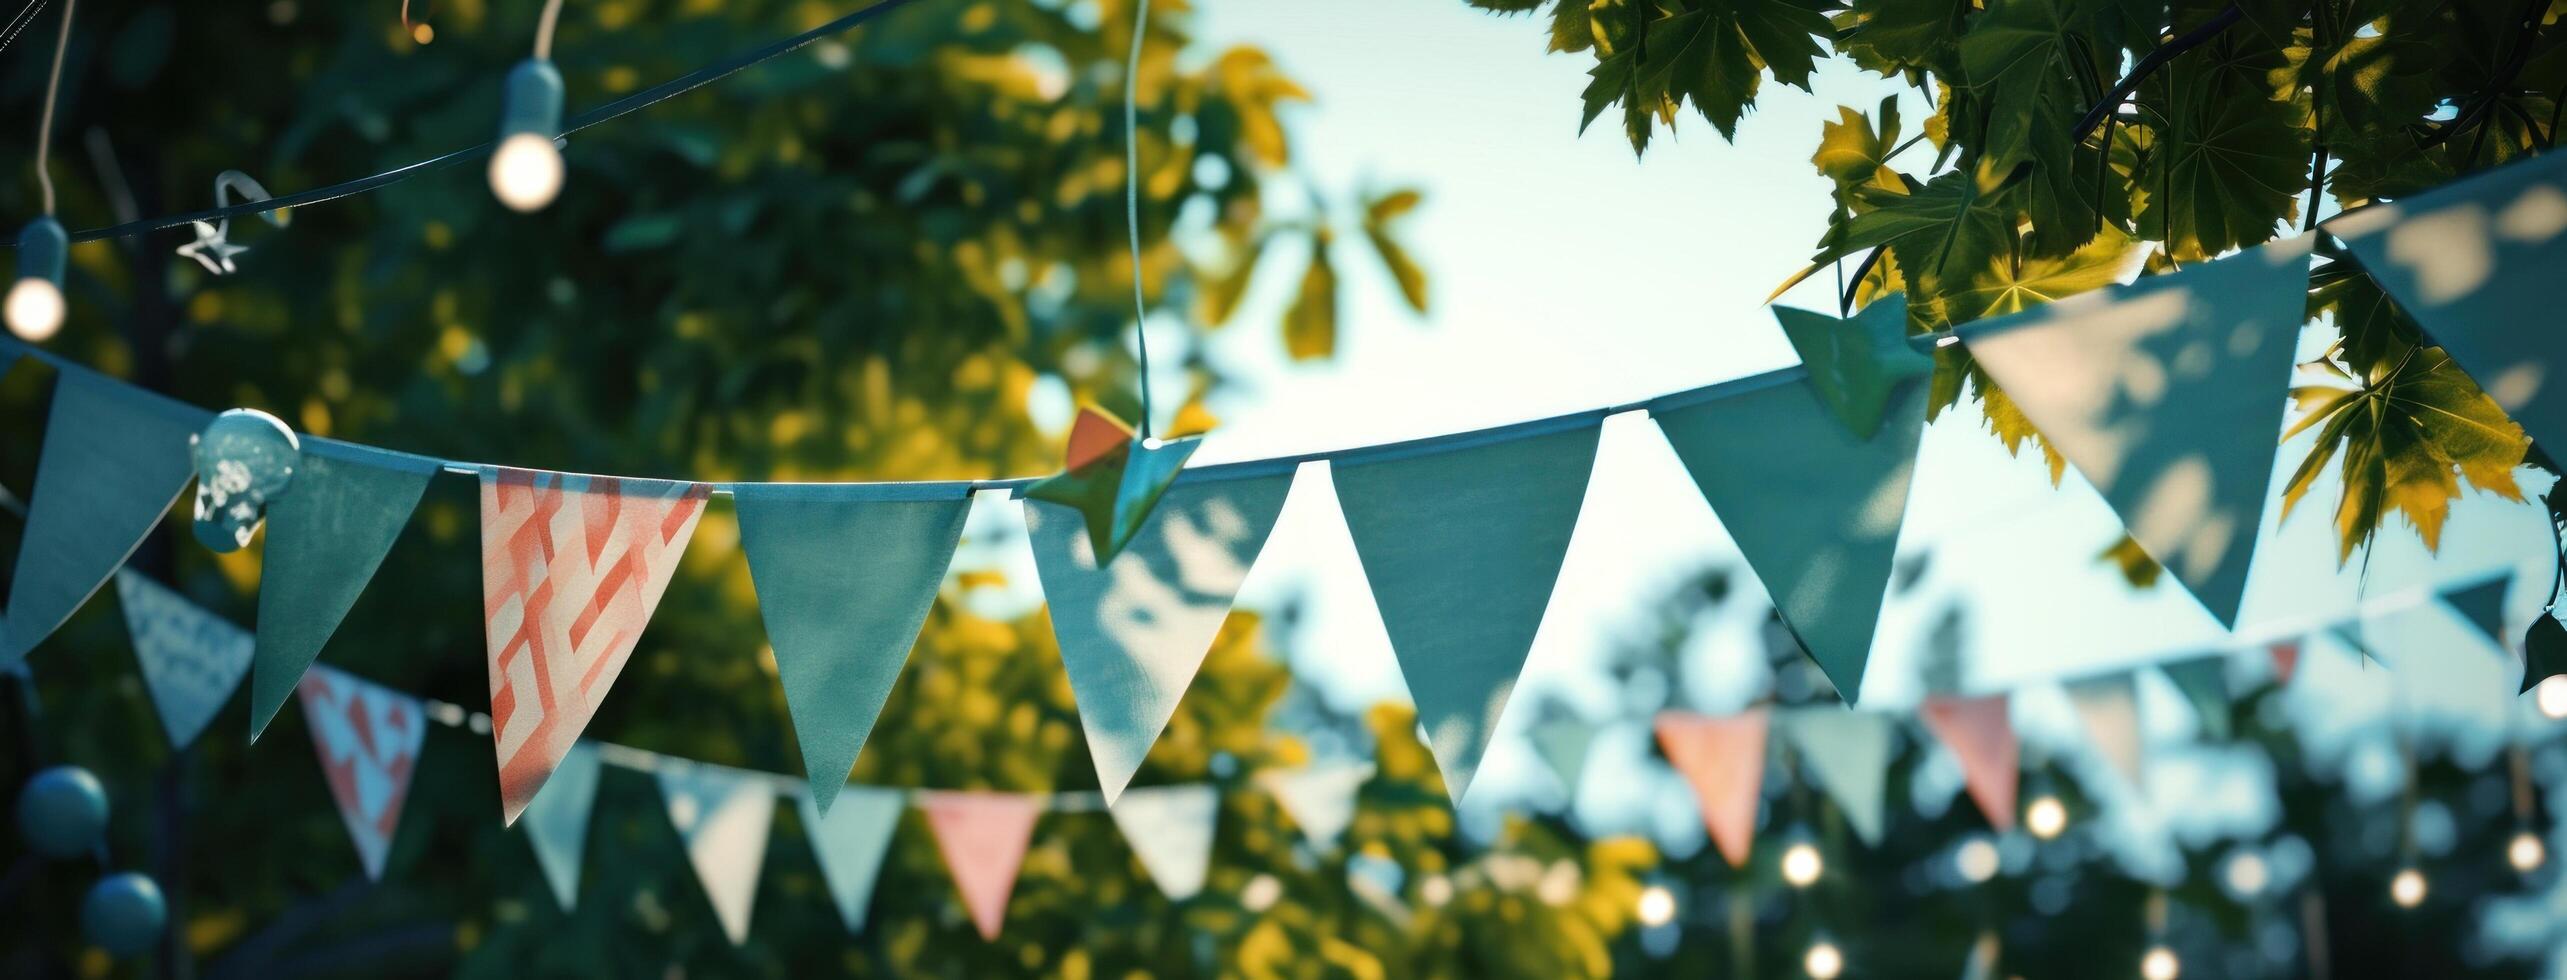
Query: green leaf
{"x": 2020, "y": 61}
{"x": 2407, "y": 439}
{"x": 1218, "y": 299}
{"x": 1891, "y": 36}
{"x": 1310, "y": 325}
{"x": 1851, "y": 153}
{"x": 1950, "y": 227}
{"x": 2008, "y": 285}
{"x": 2228, "y": 172}
{"x": 1571, "y": 27}
{"x": 1701, "y": 58}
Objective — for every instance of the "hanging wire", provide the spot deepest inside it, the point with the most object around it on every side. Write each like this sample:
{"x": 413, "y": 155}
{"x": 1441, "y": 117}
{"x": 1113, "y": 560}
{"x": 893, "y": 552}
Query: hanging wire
{"x": 1132, "y": 199}
{"x": 18, "y": 22}
{"x": 544, "y": 30}
{"x": 53, "y": 92}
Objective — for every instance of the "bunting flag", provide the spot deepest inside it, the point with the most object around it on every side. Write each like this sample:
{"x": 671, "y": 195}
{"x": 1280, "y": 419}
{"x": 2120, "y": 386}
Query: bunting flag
{"x": 1112, "y": 478}
{"x": 2483, "y": 605}
{"x": 849, "y": 841}
{"x": 2473, "y": 261}
{"x": 2168, "y": 395}
{"x": 1855, "y": 364}
{"x": 1320, "y": 797}
{"x": 1563, "y": 745}
{"x": 1170, "y": 829}
{"x": 1980, "y": 734}
{"x": 325, "y": 539}
{"x": 368, "y": 738}
{"x": 571, "y": 568}
{"x": 1461, "y": 545}
{"x": 115, "y": 459}
{"x": 1724, "y": 760}
{"x": 983, "y": 837}
{"x": 1815, "y": 510}
{"x": 191, "y": 659}
{"x": 2286, "y": 661}
{"x": 2109, "y": 705}
{"x": 1133, "y": 632}
{"x": 1847, "y": 753}
{"x": 556, "y": 821}
{"x": 845, "y": 576}
{"x": 2204, "y": 682}
{"x": 722, "y": 815}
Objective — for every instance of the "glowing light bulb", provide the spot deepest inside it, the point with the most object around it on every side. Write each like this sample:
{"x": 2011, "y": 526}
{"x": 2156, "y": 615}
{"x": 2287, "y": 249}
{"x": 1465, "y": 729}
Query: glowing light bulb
{"x": 1976, "y": 861}
{"x": 1802, "y": 864}
{"x": 2525, "y": 852}
{"x": 2046, "y": 817}
{"x": 2246, "y": 874}
{"x": 2551, "y": 695}
{"x": 2407, "y": 889}
{"x": 2160, "y": 964}
{"x": 1657, "y": 906}
{"x": 35, "y": 309}
{"x": 526, "y": 172}
{"x": 1823, "y": 961}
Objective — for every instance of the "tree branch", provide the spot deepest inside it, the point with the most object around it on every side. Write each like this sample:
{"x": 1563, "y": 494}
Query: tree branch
{"x": 2147, "y": 66}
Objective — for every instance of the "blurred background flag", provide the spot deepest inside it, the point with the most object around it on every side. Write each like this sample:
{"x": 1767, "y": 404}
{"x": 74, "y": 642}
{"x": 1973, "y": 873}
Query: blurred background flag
{"x": 983, "y": 837}
{"x": 2204, "y": 683}
{"x": 325, "y": 539}
{"x": 191, "y": 659}
{"x": 1847, "y": 753}
{"x": 1980, "y": 734}
{"x": 115, "y": 458}
{"x": 1723, "y": 759}
{"x": 368, "y": 738}
{"x": 2109, "y": 706}
{"x": 1170, "y": 830}
{"x": 556, "y": 822}
{"x": 1563, "y": 744}
{"x": 849, "y": 841}
{"x": 2483, "y": 605}
{"x": 723, "y": 816}
{"x": 1319, "y": 797}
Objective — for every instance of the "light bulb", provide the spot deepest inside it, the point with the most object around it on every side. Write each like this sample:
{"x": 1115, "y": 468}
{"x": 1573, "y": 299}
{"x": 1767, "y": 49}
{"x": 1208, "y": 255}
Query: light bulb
{"x": 1657, "y": 906}
{"x": 2525, "y": 852}
{"x": 35, "y": 309}
{"x": 2551, "y": 695}
{"x": 1976, "y": 860}
{"x": 2407, "y": 889}
{"x": 526, "y": 172}
{"x": 2160, "y": 964}
{"x": 1823, "y": 961}
{"x": 2046, "y": 817}
{"x": 1801, "y": 864}
{"x": 2246, "y": 874}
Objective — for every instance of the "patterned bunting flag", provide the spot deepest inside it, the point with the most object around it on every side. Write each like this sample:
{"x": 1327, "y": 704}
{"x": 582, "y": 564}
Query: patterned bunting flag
{"x": 1563, "y": 744}
{"x": 115, "y": 458}
{"x": 556, "y": 822}
{"x": 191, "y": 659}
{"x": 722, "y": 815}
{"x": 2483, "y": 605}
{"x": 849, "y": 841}
{"x": 2474, "y": 261}
{"x": 325, "y": 538}
{"x": 1320, "y": 798}
{"x": 1461, "y": 543}
{"x": 1134, "y": 632}
{"x": 983, "y": 837}
{"x": 2109, "y": 706}
{"x": 1723, "y": 759}
{"x": 1815, "y": 510}
{"x": 1847, "y": 753}
{"x": 846, "y": 574}
{"x": 2168, "y": 396}
{"x": 1980, "y": 734}
{"x": 368, "y": 737}
{"x": 2204, "y": 681}
{"x": 1170, "y": 830}
{"x": 571, "y": 568}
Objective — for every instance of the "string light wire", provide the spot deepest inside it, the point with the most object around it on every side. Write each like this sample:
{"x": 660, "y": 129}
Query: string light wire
{"x": 53, "y": 92}
{"x": 544, "y": 29}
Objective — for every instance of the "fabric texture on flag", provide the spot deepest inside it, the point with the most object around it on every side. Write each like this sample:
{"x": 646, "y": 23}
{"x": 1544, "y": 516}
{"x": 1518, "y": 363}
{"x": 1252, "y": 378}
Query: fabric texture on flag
{"x": 115, "y": 459}
{"x": 983, "y": 837}
{"x": 192, "y": 660}
{"x": 326, "y": 537}
{"x": 723, "y": 815}
{"x": 1723, "y": 759}
{"x": 368, "y": 738}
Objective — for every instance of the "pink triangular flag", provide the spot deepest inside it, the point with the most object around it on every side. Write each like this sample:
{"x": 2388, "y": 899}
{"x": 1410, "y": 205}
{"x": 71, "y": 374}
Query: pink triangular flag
{"x": 1724, "y": 760}
{"x": 571, "y": 567}
{"x": 1978, "y": 731}
{"x": 368, "y": 738}
{"x": 983, "y": 837}
{"x": 2286, "y": 658}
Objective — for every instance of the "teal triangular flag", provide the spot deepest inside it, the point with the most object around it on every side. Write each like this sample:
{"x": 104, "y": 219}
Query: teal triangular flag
{"x": 846, "y": 574}
{"x": 2351, "y": 636}
{"x": 850, "y": 841}
{"x": 2476, "y": 262}
{"x": 115, "y": 459}
{"x": 2483, "y": 605}
{"x": 1856, "y": 364}
{"x": 191, "y": 659}
{"x": 1134, "y": 632}
{"x": 2204, "y": 681}
{"x": 1170, "y": 830}
{"x": 1462, "y": 542}
{"x": 2168, "y": 395}
{"x": 1563, "y": 745}
{"x": 325, "y": 538}
{"x": 556, "y": 821}
{"x": 1847, "y": 753}
{"x": 1815, "y": 510}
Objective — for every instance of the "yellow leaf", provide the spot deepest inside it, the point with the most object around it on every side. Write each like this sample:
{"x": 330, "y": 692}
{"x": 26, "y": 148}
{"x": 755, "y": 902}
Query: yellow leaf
{"x": 1310, "y": 325}
{"x": 2137, "y": 565}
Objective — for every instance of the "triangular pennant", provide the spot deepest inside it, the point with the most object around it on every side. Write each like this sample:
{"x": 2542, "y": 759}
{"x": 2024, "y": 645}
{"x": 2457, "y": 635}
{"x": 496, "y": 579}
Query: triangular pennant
{"x": 722, "y": 815}
{"x": 2204, "y": 681}
{"x": 1563, "y": 745}
{"x": 2168, "y": 395}
{"x": 1980, "y": 734}
{"x": 115, "y": 458}
{"x": 1462, "y": 545}
{"x": 1170, "y": 830}
{"x": 1723, "y": 759}
{"x": 2350, "y": 634}
{"x": 845, "y": 578}
{"x": 983, "y": 837}
{"x": 2544, "y": 651}
{"x": 1854, "y": 364}
{"x": 1112, "y": 478}
{"x": 2286, "y": 660}
{"x": 1319, "y": 798}
{"x": 191, "y": 659}
{"x": 849, "y": 842}
{"x": 1134, "y": 632}
{"x": 325, "y": 538}
{"x": 2110, "y": 707}
{"x": 368, "y": 738}
{"x": 1815, "y": 510}
{"x": 556, "y": 821}
{"x": 2472, "y": 262}
{"x": 571, "y": 567}
{"x": 2483, "y": 605}
{"x": 1847, "y": 753}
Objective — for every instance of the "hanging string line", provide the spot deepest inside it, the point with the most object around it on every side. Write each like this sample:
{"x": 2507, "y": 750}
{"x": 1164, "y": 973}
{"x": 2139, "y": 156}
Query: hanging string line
{"x": 53, "y": 92}
{"x": 1132, "y": 198}
{"x": 544, "y": 30}
{"x": 629, "y": 104}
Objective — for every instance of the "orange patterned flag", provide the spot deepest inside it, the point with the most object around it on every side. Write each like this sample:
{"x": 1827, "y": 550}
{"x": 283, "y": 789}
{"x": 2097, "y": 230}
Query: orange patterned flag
{"x": 571, "y": 567}
{"x": 1979, "y": 732}
{"x": 1724, "y": 760}
{"x": 369, "y": 739}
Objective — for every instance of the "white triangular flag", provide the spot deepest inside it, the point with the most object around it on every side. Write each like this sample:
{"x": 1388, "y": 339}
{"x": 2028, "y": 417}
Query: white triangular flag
{"x": 2110, "y": 707}
{"x": 1321, "y": 798}
{"x": 723, "y": 815}
{"x": 1170, "y": 829}
{"x": 1847, "y": 753}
